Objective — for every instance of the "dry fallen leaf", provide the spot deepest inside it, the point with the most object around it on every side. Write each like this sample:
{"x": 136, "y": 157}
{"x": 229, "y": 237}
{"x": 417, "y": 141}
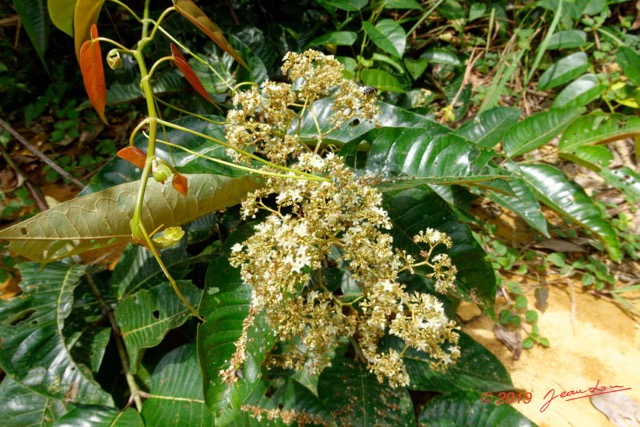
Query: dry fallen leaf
{"x": 621, "y": 409}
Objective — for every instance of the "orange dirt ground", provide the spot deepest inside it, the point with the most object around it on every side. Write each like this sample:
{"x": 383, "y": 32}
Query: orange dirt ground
{"x": 601, "y": 345}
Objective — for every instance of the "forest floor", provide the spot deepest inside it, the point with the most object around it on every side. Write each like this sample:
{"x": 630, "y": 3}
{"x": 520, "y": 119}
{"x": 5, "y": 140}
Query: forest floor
{"x": 594, "y": 343}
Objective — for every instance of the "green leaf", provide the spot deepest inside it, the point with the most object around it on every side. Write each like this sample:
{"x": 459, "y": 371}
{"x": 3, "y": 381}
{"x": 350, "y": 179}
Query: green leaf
{"x": 61, "y": 14}
{"x": 468, "y": 409}
{"x": 416, "y": 209}
{"x": 404, "y": 153}
{"x": 352, "y": 131}
{"x": 555, "y": 190}
{"x": 598, "y": 128}
{"x": 348, "y": 5}
{"x": 381, "y": 80}
{"x": 531, "y": 316}
{"x": 35, "y": 349}
{"x": 538, "y": 129}
{"x": 523, "y": 202}
{"x": 415, "y": 67}
{"x": 146, "y": 316}
{"x": 476, "y": 10}
{"x": 33, "y": 16}
{"x": 356, "y": 398}
{"x": 629, "y": 61}
{"x": 100, "y": 416}
{"x": 388, "y": 35}
{"x": 488, "y": 127}
{"x": 137, "y": 269}
{"x": 21, "y": 406}
{"x": 563, "y": 71}
{"x": 568, "y": 39}
{"x": 441, "y": 56}
{"x": 625, "y": 179}
{"x": 163, "y": 81}
{"x": 594, "y": 157}
{"x": 579, "y": 92}
{"x": 224, "y": 306}
{"x": 102, "y": 219}
{"x": 176, "y": 392}
{"x": 338, "y": 38}
{"x": 402, "y": 4}
{"x": 477, "y": 369}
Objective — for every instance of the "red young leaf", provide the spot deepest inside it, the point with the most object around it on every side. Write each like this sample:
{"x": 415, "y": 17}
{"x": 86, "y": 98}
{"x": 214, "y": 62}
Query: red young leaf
{"x": 93, "y": 73}
{"x": 186, "y": 70}
{"x": 180, "y": 183}
{"x": 193, "y": 13}
{"x": 133, "y": 155}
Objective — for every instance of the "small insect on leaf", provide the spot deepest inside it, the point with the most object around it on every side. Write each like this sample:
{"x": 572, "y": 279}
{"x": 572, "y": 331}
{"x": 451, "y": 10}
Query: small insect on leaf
{"x": 93, "y": 73}
{"x": 133, "y": 155}
{"x": 188, "y": 73}
{"x": 180, "y": 183}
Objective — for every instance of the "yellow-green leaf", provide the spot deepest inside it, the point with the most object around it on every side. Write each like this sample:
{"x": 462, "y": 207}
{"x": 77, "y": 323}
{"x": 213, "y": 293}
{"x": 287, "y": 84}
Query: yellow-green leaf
{"x": 84, "y": 16}
{"x": 61, "y": 14}
{"x": 102, "y": 219}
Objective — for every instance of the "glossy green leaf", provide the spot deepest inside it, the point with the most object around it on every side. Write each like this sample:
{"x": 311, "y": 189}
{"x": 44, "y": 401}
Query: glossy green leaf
{"x": 579, "y": 92}
{"x": 415, "y": 67}
{"x": 537, "y": 130}
{"x": 625, "y": 179}
{"x": 61, "y": 14}
{"x": 409, "y": 153}
{"x": 102, "y": 219}
{"x": 594, "y": 157}
{"x": 35, "y": 351}
{"x": 224, "y": 306}
{"x": 555, "y": 190}
{"x": 466, "y": 408}
{"x": 599, "y": 128}
{"x": 477, "y": 369}
{"x": 441, "y": 56}
{"x": 348, "y": 5}
{"x": 21, "y": 406}
{"x": 85, "y": 16}
{"x": 402, "y": 4}
{"x": 381, "y": 80}
{"x": 563, "y": 71}
{"x": 523, "y": 202}
{"x": 122, "y": 92}
{"x": 100, "y": 416}
{"x": 137, "y": 269}
{"x": 629, "y": 61}
{"x": 356, "y": 398}
{"x": 146, "y": 316}
{"x": 33, "y": 16}
{"x": 176, "y": 397}
{"x": 416, "y": 209}
{"x": 567, "y": 39}
{"x": 390, "y": 115}
{"x": 338, "y": 38}
{"x": 488, "y": 128}
{"x": 388, "y": 35}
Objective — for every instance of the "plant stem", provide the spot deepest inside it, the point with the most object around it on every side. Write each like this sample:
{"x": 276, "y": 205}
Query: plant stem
{"x": 117, "y": 336}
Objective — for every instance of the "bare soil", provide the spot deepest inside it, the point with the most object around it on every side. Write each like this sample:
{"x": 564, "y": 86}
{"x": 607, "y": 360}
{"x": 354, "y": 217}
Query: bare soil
{"x": 594, "y": 343}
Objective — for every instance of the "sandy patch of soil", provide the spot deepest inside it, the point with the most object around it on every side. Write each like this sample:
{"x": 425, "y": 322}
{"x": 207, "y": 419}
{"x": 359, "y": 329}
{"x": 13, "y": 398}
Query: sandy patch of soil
{"x": 600, "y": 346}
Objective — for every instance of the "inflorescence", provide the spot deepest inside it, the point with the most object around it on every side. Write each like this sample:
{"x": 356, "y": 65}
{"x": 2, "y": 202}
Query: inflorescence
{"x": 337, "y": 219}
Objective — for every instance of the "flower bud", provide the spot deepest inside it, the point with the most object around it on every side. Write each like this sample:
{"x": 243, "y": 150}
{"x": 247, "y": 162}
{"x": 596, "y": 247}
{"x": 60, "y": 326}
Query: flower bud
{"x": 114, "y": 60}
{"x": 161, "y": 171}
